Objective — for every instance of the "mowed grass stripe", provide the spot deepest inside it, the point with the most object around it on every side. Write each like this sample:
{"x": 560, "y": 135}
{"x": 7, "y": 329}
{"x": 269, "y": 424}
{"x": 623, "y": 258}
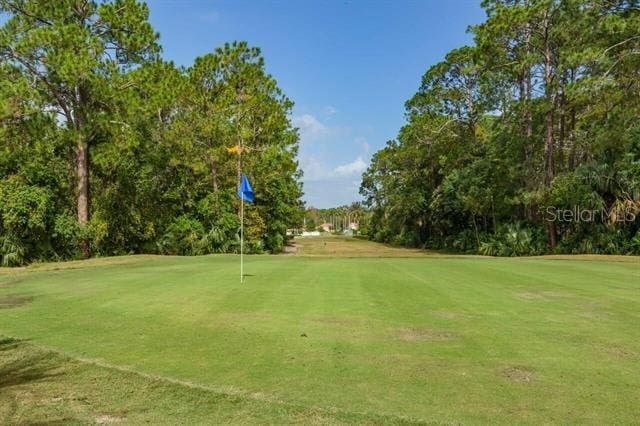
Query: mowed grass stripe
{"x": 43, "y": 385}
{"x": 530, "y": 329}
{"x": 444, "y": 339}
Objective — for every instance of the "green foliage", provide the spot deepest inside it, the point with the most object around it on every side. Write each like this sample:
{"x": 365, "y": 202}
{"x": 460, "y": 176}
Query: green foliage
{"x": 12, "y": 251}
{"x": 311, "y": 224}
{"x": 159, "y": 177}
{"x": 183, "y": 237}
{"x": 347, "y": 218}
{"x": 25, "y": 208}
{"x": 540, "y": 112}
{"x": 218, "y": 241}
{"x": 634, "y": 244}
{"x": 513, "y": 240}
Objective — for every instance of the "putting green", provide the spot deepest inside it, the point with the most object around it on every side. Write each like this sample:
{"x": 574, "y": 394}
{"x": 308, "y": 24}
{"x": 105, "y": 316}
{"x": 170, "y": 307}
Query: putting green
{"x": 422, "y": 338}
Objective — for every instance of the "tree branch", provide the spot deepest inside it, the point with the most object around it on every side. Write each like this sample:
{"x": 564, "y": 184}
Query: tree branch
{"x": 17, "y": 10}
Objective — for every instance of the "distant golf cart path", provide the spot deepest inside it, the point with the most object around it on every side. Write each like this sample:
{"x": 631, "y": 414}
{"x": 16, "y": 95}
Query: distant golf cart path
{"x": 342, "y": 246}
{"x": 345, "y": 247}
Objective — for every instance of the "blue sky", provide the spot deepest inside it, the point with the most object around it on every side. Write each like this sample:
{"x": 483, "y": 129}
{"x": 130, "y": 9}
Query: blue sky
{"x": 348, "y": 65}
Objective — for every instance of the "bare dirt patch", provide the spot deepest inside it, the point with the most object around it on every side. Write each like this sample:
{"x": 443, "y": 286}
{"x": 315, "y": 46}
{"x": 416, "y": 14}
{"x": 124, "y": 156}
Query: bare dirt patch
{"x": 594, "y": 315}
{"x": 416, "y": 334}
{"x": 528, "y": 296}
{"x": 107, "y": 420}
{"x": 620, "y": 352}
{"x": 292, "y": 249}
{"x": 518, "y": 374}
{"x": 449, "y": 315}
{"x": 543, "y": 295}
{"x": 14, "y": 301}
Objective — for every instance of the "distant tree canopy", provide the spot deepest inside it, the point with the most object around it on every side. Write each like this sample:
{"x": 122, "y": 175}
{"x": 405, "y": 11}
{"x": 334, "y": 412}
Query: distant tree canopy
{"x": 107, "y": 149}
{"x": 337, "y": 219}
{"x": 542, "y": 112}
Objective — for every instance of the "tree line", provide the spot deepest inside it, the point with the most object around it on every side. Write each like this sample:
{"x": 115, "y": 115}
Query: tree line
{"x": 337, "y": 219}
{"x": 106, "y": 148}
{"x": 510, "y": 140}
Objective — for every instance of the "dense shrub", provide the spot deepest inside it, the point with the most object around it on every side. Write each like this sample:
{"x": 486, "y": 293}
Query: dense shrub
{"x": 183, "y": 237}
{"x": 513, "y": 240}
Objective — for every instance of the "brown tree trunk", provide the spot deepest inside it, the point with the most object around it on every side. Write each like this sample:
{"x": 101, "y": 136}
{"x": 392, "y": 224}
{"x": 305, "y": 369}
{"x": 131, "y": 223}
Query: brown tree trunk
{"x": 528, "y": 125}
{"x": 214, "y": 174}
{"x": 549, "y": 158}
{"x": 572, "y": 139}
{"x": 549, "y": 143}
{"x": 562, "y": 123}
{"x": 549, "y": 172}
{"x": 572, "y": 130}
{"x": 528, "y": 147}
{"x": 82, "y": 166}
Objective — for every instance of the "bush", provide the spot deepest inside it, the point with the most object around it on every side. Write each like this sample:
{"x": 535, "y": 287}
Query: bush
{"x": 24, "y": 209}
{"x": 600, "y": 239}
{"x": 513, "y": 240}
{"x": 407, "y": 238}
{"x": 492, "y": 247}
{"x": 12, "y": 251}
{"x": 66, "y": 236}
{"x": 183, "y": 237}
{"x": 634, "y": 244}
{"x": 24, "y": 222}
{"x": 465, "y": 242}
{"x": 217, "y": 241}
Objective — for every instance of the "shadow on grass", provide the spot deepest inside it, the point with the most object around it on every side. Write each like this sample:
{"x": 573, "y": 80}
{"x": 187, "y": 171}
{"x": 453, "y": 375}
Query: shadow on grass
{"x": 65, "y": 421}
{"x": 26, "y": 374}
{"x": 23, "y": 369}
{"x": 14, "y": 301}
{"x": 8, "y": 343}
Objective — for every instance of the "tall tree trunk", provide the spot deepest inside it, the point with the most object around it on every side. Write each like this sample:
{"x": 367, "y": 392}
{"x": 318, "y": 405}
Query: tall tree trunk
{"x": 572, "y": 130}
{"x": 528, "y": 144}
{"x": 562, "y": 122}
{"x": 528, "y": 124}
{"x": 472, "y": 119}
{"x": 549, "y": 172}
{"x": 548, "y": 119}
{"x": 561, "y": 136}
{"x": 572, "y": 139}
{"x": 214, "y": 173}
{"x": 549, "y": 145}
{"x": 82, "y": 166}
{"x": 549, "y": 158}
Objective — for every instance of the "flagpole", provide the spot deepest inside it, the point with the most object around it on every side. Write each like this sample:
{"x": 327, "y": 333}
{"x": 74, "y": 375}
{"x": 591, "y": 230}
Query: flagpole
{"x": 241, "y": 214}
{"x": 241, "y": 238}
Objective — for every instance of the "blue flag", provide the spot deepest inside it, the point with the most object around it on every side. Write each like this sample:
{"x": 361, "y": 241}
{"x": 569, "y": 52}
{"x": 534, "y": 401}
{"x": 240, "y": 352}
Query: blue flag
{"x": 244, "y": 190}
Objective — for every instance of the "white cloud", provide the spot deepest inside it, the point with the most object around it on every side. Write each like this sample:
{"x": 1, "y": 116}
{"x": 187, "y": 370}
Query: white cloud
{"x": 309, "y": 125}
{"x": 313, "y": 168}
{"x": 338, "y": 192}
{"x": 329, "y": 110}
{"x": 363, "y": 144}
{"x": 325, "y": 147}
{"x": 357, "y": 166}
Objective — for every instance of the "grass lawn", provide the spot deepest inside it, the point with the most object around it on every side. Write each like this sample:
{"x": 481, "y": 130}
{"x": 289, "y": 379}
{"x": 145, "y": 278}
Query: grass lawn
{"x": 359, "y": 334}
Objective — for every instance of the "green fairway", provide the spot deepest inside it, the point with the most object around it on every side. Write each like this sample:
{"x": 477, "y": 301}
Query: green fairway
{"x": 322, "y": 339}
